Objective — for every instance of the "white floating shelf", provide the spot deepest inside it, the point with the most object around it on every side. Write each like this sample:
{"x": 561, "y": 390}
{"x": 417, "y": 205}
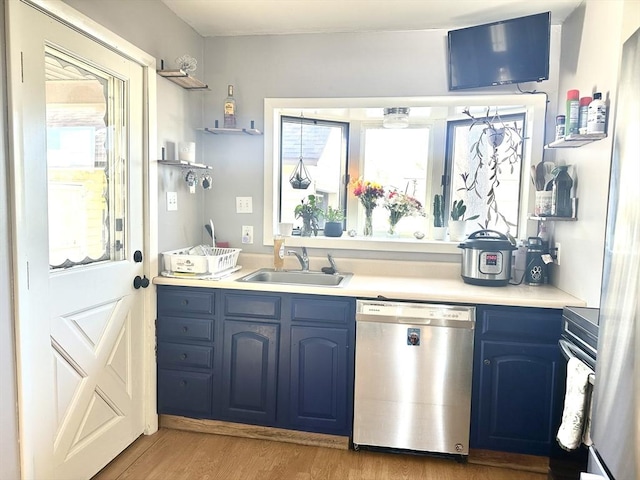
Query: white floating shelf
{"x": 575, "y": 140}
{"x": 183, "y": 79}
{"x": 232, "y": 131}
{"x": 552, "y": 219}
{"x": 185, "y": 164}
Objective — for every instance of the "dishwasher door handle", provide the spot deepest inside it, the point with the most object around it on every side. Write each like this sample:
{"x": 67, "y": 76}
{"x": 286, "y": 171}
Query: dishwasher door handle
{"x": 427, "y": 322}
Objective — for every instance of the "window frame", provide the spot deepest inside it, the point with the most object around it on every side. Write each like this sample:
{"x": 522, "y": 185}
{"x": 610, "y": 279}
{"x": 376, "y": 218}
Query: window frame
{"x": 344, "y": 160}
{"x": 535, "y": 105}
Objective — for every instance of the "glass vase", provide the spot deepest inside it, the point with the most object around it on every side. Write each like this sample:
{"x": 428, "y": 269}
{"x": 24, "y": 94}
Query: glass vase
{"x": 368, "y": 222}
{"x": 392, "y": 228}
{"x": 306, "y": 227}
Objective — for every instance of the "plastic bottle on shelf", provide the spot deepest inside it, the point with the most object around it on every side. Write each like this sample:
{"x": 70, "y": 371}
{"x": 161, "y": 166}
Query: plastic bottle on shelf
{"x": 573, "y": 112}
{"x": 597, "y": 116}
{"x": 560, "y": 120}
{"x": 561, "y": 192}
{"x": 230, "y": 109}
{"x": 583, "y": 114}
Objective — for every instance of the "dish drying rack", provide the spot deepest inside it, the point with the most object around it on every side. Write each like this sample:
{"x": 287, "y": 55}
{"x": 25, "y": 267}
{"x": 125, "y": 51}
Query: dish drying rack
{"x": 202, "y": 261}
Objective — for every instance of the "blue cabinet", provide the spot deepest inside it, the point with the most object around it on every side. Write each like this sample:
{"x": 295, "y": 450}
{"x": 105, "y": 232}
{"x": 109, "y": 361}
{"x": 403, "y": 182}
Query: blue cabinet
{"x": 260, "y": 358}
{"x": 517, "y": 376}
{"x": 321, "y": 364}
{"x": 249, "y": 372}
{"x": 185, "y": 329}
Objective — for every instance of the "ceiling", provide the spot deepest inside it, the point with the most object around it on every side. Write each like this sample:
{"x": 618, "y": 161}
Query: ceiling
{"x": 215, "y": 18}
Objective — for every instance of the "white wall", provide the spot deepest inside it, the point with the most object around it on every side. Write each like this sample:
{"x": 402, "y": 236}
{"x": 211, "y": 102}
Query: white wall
{"x": 316, "y": 65}
{"x": 9, "y": 455}
{"x": 154, "y": 28}
{"x": 592, "y": 38}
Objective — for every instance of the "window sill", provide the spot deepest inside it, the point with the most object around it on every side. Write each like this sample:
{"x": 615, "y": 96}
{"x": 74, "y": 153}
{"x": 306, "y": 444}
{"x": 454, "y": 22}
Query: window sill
{"x": 374, "y": 244}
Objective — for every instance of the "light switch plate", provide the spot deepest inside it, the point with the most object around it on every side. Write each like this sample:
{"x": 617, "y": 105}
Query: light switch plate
{"x": 244, "y": 204}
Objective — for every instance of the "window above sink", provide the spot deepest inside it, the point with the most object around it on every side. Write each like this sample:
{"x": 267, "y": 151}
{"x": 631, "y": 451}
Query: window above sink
{"x": 364, "y": 117}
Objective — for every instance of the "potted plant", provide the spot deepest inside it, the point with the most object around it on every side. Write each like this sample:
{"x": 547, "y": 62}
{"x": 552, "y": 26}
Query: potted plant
{"x": 458, "y": 225}
{"x": 439, "y": 230}
{"x": 497, "y": 150}
{"x": 333, "y": 222}
{"x": 311, "y": 213}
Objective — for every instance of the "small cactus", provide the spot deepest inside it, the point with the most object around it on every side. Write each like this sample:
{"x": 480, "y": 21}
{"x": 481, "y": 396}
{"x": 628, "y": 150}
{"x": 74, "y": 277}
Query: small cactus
{"x": 438, "y": 211}
{"x": 458, "y": 210}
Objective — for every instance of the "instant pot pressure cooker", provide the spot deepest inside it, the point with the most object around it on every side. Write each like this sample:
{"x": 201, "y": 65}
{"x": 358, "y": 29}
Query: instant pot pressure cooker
{"x": 486, "y": 258}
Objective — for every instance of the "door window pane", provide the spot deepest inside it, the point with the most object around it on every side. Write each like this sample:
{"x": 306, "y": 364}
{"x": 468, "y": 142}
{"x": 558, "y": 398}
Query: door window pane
{"x": 86, "y": 147}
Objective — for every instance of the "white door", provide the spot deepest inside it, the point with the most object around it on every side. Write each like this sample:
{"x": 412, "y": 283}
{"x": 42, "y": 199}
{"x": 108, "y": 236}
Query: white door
{"x": 78, "y": 163}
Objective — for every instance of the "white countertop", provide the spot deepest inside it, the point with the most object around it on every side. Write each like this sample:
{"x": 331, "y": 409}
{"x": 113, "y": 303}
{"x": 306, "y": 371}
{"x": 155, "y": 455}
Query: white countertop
{"x": 420, "y": 281}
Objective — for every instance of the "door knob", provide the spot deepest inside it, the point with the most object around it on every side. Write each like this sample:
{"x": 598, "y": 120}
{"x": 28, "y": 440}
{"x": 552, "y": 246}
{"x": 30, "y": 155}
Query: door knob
{"x": 140, "y": 282}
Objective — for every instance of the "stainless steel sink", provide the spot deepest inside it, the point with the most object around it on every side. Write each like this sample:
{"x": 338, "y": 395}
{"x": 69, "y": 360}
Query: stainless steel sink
{"x": 297, "y": 277}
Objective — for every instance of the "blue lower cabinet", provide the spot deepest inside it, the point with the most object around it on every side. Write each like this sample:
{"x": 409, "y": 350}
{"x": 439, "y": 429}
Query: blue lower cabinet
{"x": 517, "y": 377}
{"x": 319, "y": 379}
{"x": 261, "y": 358}
{"x": 249, "y": 372}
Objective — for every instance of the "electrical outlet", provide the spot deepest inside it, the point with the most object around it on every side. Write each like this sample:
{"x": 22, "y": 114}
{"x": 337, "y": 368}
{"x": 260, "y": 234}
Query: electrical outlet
{"x": 172, "y": 201}
{"x": 244, "y": 204}
{"x": 557, "y": 248}
{"x": 247, "y": 234}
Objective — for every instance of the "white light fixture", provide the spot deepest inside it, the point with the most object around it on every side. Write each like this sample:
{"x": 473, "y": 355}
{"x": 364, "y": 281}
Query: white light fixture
{"x": 396, "y": 117}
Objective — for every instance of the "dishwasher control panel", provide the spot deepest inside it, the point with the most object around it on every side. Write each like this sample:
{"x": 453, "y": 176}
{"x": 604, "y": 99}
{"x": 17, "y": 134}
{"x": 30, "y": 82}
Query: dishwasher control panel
{"x": 420, "y": 312}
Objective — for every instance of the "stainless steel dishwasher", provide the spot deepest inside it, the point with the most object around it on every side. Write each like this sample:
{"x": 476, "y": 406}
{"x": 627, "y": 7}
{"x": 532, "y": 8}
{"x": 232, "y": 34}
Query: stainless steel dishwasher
{"x": 413, "y": 376}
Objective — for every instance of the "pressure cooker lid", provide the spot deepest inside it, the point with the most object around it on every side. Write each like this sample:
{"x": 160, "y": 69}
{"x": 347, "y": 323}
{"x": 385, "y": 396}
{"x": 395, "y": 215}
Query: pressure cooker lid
{"x": 487, "y": 240}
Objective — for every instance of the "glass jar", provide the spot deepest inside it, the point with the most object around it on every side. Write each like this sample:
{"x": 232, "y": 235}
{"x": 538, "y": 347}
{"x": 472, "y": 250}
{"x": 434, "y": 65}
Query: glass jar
{"x": 561, "y": 192}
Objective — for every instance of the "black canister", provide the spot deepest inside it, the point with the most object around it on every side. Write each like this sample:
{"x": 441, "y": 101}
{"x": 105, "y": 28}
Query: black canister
{"x": 561, "y": 192}
{"x": 536, "y": 268}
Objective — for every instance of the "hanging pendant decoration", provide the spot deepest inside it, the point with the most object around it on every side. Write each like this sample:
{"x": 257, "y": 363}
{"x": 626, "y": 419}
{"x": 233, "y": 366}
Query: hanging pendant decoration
{"x": 300, "y": 179}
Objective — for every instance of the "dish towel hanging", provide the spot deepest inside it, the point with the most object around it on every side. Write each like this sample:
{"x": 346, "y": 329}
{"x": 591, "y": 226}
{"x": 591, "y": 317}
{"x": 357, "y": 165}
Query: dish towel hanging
{"x": 576, "y": 405}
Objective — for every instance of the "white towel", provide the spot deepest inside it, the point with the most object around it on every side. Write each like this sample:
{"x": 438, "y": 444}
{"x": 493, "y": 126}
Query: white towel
{"x": 576, "y": 405}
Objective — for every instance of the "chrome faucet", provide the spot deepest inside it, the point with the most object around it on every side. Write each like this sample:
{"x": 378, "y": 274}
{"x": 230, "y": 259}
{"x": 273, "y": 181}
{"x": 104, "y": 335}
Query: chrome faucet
{"x": 303, "y": 259}
{"x": 332, "y": 263}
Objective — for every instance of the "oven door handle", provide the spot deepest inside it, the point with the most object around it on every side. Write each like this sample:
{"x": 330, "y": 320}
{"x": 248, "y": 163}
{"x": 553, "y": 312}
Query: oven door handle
{"x": 569, "y": 351}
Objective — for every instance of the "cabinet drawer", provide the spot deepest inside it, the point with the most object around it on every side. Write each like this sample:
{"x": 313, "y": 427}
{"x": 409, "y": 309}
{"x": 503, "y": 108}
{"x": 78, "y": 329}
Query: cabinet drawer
{"x": 184, "y": 393}
{"x": 184, "y": 301}
{"x": 322, "y": 310}
{"x": 184, "y": 356}
{"x": 185, "y": 329}
{"x": 513, "y": 323}
{"x": 253, "y": 306}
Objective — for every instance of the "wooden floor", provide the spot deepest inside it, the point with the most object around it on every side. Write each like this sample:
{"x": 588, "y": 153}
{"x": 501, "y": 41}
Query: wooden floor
{"x": 181, "y": 455}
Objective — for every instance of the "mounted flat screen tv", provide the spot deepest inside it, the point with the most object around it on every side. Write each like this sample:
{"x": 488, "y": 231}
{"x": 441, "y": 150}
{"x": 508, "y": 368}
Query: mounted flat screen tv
{"x": 509, "y": 51}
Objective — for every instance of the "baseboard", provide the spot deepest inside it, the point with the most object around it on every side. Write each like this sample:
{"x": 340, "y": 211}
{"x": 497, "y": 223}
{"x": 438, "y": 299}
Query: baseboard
{"x": 254, "y": 431}
{"x": 514, "y": 461}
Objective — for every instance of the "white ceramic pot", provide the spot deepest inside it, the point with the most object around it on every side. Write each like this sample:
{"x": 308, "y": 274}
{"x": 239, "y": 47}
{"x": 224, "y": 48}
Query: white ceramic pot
{"x": 457, "y": 229}
{"x": 439, "y": 233}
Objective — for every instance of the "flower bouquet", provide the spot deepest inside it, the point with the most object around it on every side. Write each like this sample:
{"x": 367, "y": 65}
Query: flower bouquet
{"x": 400, "y": 205}
{"x": 368, "y": 193}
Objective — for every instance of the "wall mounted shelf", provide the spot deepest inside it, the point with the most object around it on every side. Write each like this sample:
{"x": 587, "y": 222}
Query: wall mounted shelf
{"x": 185, "y": 164}
{"x": 232, "y": 131}
{"x": 552, "y": 219}
{"x": 182, "y": 78}
{"x": 576, "y": 140}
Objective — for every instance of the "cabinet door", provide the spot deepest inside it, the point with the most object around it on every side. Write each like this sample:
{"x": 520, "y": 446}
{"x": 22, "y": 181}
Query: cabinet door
{"x": 318, "y": 385}
{"x": 517, "y": 387}
{"x": 249, "y": 372}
